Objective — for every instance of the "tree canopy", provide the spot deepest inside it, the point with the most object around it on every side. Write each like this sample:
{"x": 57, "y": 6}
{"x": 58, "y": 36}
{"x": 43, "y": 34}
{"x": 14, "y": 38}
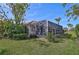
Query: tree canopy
{"x": 58, "y": 19}
{"x": 72, "y": 12}
{"x": 14, "y": 25}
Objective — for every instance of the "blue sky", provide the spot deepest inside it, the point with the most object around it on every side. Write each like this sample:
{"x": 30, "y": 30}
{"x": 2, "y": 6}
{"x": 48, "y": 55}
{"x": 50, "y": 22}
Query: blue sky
{"x": 49, "y": 11}
{"x": 45, "y": 11}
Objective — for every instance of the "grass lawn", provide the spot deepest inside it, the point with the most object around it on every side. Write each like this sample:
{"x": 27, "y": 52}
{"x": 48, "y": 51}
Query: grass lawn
{"x": 35, "y": 47}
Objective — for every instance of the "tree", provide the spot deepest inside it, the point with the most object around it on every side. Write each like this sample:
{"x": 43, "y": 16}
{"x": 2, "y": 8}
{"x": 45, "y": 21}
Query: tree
{"x": 65, "y": 29}
{"x": 1, "y": 28}
{"x": 18, "y": 11}
{"x": 70, "y": 26}
{"x": 58, "y": 19}
{"x": 72, "y": 12}
{"x": 3, "y": 14}
{"x": 77, "y": 30}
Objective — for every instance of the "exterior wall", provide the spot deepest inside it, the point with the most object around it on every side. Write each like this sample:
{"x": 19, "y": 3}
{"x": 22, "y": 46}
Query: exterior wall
{"x": 32, "y": 28}
{"x": 55, "y": 28}
{"x": 41, "y": 28}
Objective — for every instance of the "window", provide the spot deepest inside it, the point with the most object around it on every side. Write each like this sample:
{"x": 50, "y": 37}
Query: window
{"x": 58, "y": 31}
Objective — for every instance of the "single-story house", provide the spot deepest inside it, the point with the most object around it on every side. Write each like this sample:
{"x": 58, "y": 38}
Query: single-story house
{"x": 42, "y": 28}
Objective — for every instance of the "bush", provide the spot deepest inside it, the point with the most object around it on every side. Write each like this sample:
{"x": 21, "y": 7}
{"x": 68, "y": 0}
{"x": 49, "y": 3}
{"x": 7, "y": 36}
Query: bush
{"x": 53, "y": 38}
{"x": 33, "y": 36}
{"x": 11, "y": 30}
{"x": 2, "y": 51}
{"x": 43, "y": 42}
{"x": 77, "y": 30}
{"x": 19, "y": 32}
{"x": 20, "y": 36}
{"x": 57, "y": 40}
{"x": 73, "y": 38}
{"x": 50, "y": 37}
{"x": 69, "y": 36}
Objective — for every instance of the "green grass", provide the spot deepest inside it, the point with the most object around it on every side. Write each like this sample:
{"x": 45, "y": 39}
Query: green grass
{"x": 33, "y": 47}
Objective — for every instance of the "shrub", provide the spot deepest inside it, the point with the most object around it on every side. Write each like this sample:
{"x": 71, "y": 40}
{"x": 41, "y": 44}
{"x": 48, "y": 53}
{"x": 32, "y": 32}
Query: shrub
{"x": 69, "y": 36}
{"x": 33, "y": 36}
{"x": 2, "y": 51}
{"x": 44, "y": 43}
{"x": 20, "y": 36}
{"x": 53, "y": 38}
{"x": 50, "y": 37}
{"x": 11, "y": 30}
{"x": 19, "y": 32}
{"x": 57, "y": 40}
{"x": 73, "y": 38}
{"x": 77, "y": 30}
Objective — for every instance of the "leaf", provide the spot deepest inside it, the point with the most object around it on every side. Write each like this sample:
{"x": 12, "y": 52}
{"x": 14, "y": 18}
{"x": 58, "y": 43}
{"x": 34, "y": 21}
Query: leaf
{"x": 18, "y": 11}
{"x": 64, "y": 4}
{"x": 75, "y": 6}
{"x": 70, "y": 25}
{"x": 68, "y": 14}
{"x": 76, "y": 12}
{"x": 67, "y": 11}
{"x": 75, "y": 18}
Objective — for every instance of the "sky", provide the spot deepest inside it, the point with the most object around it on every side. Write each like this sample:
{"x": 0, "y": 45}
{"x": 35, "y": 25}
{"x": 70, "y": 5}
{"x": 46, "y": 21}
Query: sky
{"x": 45, "y": 11}
{"x": 48, "y": 11}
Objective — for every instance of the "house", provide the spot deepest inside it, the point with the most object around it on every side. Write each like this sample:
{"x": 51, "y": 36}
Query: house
{"x": 42, "y": 28}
